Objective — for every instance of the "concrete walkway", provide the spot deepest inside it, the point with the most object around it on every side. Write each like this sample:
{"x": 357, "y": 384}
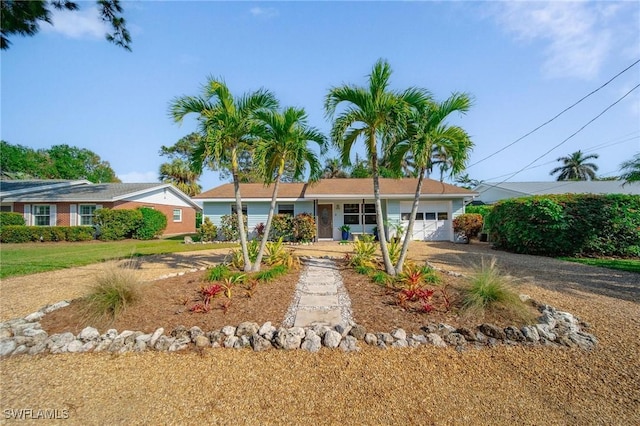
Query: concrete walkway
{"x": 320, "y": 297}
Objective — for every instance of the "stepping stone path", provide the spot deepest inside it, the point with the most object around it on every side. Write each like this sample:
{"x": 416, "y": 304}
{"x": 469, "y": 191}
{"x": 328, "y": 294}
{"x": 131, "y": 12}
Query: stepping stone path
{"x": 320, "y": 297}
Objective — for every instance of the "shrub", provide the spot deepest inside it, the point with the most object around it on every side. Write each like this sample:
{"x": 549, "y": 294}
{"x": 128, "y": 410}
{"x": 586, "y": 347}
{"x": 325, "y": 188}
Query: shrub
{"x": 229, "y": 226}
{"x": 153, "y": 224}
{"x": 115, "y": 289}
{"x": 11, "y": 218}
{"x": 304, "y": 227}
{"x": 468, "y": 224}
{"x": 218, "y": 272}
{"x": 364, "y": 250}
{"x": 25, "y": 234}
{"x": 281, "y": 227}
{"x": 482, "y": 210}
{"x": 208, "y": 231}
{"x": 15, "y": 234}
{"x": 117, "y": 224}
{"x": 78, "y": 233}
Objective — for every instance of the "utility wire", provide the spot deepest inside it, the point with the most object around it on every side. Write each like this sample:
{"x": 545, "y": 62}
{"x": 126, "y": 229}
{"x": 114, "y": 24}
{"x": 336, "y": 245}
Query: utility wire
{"x": 571, "y": 136}
{"x": 556, "y": 116}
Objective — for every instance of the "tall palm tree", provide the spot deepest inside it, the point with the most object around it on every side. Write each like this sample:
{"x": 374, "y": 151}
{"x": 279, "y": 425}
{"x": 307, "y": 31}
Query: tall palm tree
{"x": 427, "y": 133}
{"x": 374, "y": 114}
{"x": 181, "y": 176}
{"x": 284, "y": 141}
{"x": 333, "y": 169}
{"x": 229, "y": 127}
{"x": 575, "y": 167}
{"x": 631, "y": 170}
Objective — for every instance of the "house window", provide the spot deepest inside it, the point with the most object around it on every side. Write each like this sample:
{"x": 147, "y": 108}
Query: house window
{"x": 352, "y": 214}
{"x": 285, "y": 209}
{"x": 406, "y": 216}
{"x": 430, "y": 216}
{"x": 177, "y": 215}
{"x": 86, "y": 214}
{"x": 234, "y": 210}
{"x": 370, "y": 214}
{"x": 5, "y": 209}
{"x": 443, "y": 216}
{"x": 42, "y": 215}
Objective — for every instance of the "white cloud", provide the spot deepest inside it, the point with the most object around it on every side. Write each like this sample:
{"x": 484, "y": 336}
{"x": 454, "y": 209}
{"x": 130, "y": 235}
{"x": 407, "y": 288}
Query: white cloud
{"x": 578, "y": 35}
{"x": 138, "y": 177}
{"x": 264, "y": 12}
{"x": 83, "y": 23}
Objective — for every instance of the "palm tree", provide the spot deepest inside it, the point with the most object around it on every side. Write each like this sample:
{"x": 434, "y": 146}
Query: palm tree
{"x": 428, "y": 133}
{"x": 228, "y": 125}
{"x": 631, "y": 170}
{"x": 333, "y": 169}
{"x": 374, "y": 114}
{"x": 181, "y": 176}
{"x": 576, "y": 168}
{"x": 284, "y": 142}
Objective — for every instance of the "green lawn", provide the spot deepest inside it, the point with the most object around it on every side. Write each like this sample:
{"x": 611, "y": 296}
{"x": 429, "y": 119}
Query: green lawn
{"x": 629, "y": 265}
{"x": 30, "y": 258}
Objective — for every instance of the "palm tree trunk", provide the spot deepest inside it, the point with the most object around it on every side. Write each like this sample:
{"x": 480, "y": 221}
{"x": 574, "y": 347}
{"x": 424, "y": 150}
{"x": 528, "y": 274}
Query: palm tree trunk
{"x": 241, "y": 230}
{"x": 267, "y": 227}
{"x": 414, "y": 210}
{"x": 388, "y": 266}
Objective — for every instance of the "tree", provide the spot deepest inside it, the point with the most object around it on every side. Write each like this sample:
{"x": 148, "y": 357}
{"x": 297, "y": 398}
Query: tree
{"x": 24, "y": 17}
{"x": 575, "y": 167}
{"x": 333, "y": 169}
{"x": 427, "y": 132}
{"x": 374, "y": 114}
{"x": 284, "y": 141}
{"x": 631, "y": 170}
{"x": 178, "y": 173}
{"x": 229, "y": 127}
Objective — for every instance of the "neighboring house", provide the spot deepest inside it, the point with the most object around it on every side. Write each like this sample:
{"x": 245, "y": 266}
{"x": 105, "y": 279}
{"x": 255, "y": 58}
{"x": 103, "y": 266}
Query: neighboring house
{"x": 489, "y": 193}
{"x": 71, "y": 203}
{"x": 334, "y": 202}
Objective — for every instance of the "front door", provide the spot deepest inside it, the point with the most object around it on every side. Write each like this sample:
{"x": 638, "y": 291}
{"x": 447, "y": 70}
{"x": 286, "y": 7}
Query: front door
{"x": 325, "y": 221}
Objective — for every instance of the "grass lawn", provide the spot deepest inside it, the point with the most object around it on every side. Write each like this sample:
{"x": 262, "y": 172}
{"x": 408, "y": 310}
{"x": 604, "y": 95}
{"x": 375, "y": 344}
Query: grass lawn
{"x": 31, "y": 258}
{"x": 629, "y": 265}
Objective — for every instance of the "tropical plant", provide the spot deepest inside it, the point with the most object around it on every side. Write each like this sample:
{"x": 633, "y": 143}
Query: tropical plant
{"x": 208, "y": 231}
{"x": 468, "y": 224}
{"x": 229, "y": 126}
{"x": 217, "y": 272}
{"x": 284, "y": 141}
{"x": 631, "y": 170}
{"x": 333, "y": 169}
{"x": 229, "y": 226}
{"x": 304, "y": 227}
{"x": 575, "y": 167}
{"x": 179, "y": 174}
{"x": 427, "y": 132}
{"x": 376, "y": 115}
{"x": 364, "y": 250}
{"x": 114, "y": 290}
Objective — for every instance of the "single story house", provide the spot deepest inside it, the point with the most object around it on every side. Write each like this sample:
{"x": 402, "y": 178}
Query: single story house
{"x": 73, "y": 202}
{"x": 490, "y": 193}
{"x": 337, "y": 202}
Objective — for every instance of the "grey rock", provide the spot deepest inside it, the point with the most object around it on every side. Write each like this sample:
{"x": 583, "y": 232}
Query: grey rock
{"x": 103, "y": 345}
{"x": 435, "y": 340}
{"x": 243, "y": 342}
{"x": 585, "y": 341}
{"x": 74, "y": 346}
{"x": 332, "y": 339}
{"x": 513, "y": 333}
{"x": 180, "y": 332}
{"x": 194, "y": 332}
{"x": 228, "y": 330}
{"x": 38, "y": 348}
{"x": 55, "y": 306}
{"x": 349, "y": 344}
{"x": 420, "y": 338}
{"x": 455, "y": 339}
{"x": 5, "y": 332}
{"x": 112, "y": 333}
{"x": 145, "y": 338}
{"x": 387, "y": 338}
{"x": 548, "y": 318}
{"x": 312, "y": 342}
{"x": 89, "y": 333}
{"x": 358, "y": 331}
{"x": 259, "y": 343}
{"x": 180, "y": 344}
{"x": 230, "y": 341}
{"x": 155, "y": 336}
{"x": 400, "y": 343}
{"x": 413, "y": 343}
{"x": 20, "y": 329}
{"x": 89, "y": 346}
{"x": 163, "y": 343}
{"x": 58, "y": 341}
{"x": 399, "y": 334}
{"x": 530, "y": 333}
{"x": 21, "y": 349}
{"x": 320, "y": 329}
{"x": 216, "y": 337}
{"x": 140, "y": 346}
{"x": 492, "y": 331}
{"x": 34, "y": 317}
{"x": 444, "y": 329}
{"x": 247, "y": 329}
{"x": 343, "y": 329}
{"x": 267, "y": 328}
{"x": 7, "y": 346}
{"x": 468, "y": 334}
{"x": 370, "y": 339}
{"x": 201, "y": 341}
{"x": 545, "y": 332}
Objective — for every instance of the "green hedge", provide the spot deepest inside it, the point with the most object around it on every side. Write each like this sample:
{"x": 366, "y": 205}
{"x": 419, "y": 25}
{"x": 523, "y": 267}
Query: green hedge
{"x": 25, "y": 234}
{"x": 11, "y": 218}
{"x": 568, "y": 225}
{"x": 153, "y": 224}
{"x": 117, "y": 224}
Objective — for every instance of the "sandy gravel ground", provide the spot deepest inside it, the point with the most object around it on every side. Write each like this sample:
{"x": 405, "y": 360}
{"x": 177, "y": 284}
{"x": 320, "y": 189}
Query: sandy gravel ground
{"x": 504, "y": 385}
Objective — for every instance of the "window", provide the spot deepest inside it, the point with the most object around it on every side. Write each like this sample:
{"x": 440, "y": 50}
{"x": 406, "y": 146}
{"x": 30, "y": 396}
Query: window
{"x": 86, "y": 214}
{"x": 42, "y": 215}
{"x": 234, "y": 210}
{"x": 430, "y": 216}
{"x": 443, "y": 216}
{"x": 406, "y": 216}
{"x": 285, "y": 209}
{"x": 5, "y": 209}
{"x": 177, "y": 215}
{"x": 370, "y": 214}
{"x": 352, "y": 214}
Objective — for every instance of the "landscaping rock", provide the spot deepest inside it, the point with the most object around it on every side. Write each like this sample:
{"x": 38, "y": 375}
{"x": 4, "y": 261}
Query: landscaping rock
{"x": 332, "y": 339}
{"x": 530, "y": 333}
{"x": 201, "y": 341}
{"x": 436, "y": 340}
{"x": 513, "y": 333}
{"x": 194, "y": 332}
{"x": 155, "y": 336}
{"x": 7, "y": 346}
{"x": 455, "y": 339}
{"x": 89, "y": 333}
{"x": 349, "y": 344}
{"x": 358, "y": 331}
{"x": 228, "y": 330}
{"x": 259, "y": 343}
{"x": 370, "y": 339}
{"x": 399, "y": 334}
{"x": 247, "y": 329}
{"x": 492, "y": 331}
{"x": 468, "y": 334}
{"x": 312, "y": 342}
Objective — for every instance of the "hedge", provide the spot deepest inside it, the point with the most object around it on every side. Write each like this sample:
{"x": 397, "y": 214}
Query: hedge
{"x": 11, "y": 218}
{"x": 153, "y": 224}
{"x": 568, "y": 225}
{"x": 25, "y": 234}
{"x": 117, "y": 224}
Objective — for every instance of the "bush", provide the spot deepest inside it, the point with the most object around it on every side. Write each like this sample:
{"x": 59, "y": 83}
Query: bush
{"x": 116, "y": 288}
{"x": 11, "y": 218}
{"x": 117, "y": 224}
{"x": 469, "y": 224}
{"x": 482, "y": 210}
{"x": 153, "y": 224}
{"x": 78, "y": 233}
{"x": 281, "y": 227}
{"x": 25, "y": 234}
{"x": 568, "y": 225}
{"x": 304, "y": 227}
{"x": 229, "y": 226}
{"x": 15, "y": 234}
{"x": 208, "y": 231}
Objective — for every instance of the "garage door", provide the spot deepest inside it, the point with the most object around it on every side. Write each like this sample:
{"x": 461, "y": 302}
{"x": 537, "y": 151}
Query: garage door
{"x": 433, "y": 221}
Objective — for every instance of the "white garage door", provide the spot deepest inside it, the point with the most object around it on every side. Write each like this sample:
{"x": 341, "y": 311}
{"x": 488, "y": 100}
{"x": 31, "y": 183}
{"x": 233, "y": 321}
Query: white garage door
{"x": 433, "y": 221}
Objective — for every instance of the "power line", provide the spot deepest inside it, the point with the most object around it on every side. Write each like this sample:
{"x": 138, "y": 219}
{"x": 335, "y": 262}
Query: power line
{"x": 572, "y": 135}
{"x": 556, "y": 116}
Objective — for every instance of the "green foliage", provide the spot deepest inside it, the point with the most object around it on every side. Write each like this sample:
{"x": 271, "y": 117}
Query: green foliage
{"x": 229, "y": 226}
{"x": 482, "y": 210}
{"x": 117, "y": 224}
{"x": 78, "y": 233}
{"x": 364, "y": 250}
{"x": 16, "y": 234}
{"x": 208, "y": 231}
{"x": 469, "y": 224}
{"x": 395, "y": 249}
{"x": 281, "y": 227}
{"x": 304, "y": 227}
{"x": 115, "y": 289}
{"x": 218, "y": 272}
{"x": 11, "y": 218}
{"x": 629, "y": 265}
{"x": 568, "y": 225}
{"x": 25, "y": 234}
{"x": 271, "y": 274}
{"x": 153, "y": 224}
{"x": 277, "y": 255}
{"x": 363, "y": 269}
{"x": 381, "y": 278}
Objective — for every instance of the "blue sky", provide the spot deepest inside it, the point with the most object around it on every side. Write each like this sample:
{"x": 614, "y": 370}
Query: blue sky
{"x": 523, "y": 62}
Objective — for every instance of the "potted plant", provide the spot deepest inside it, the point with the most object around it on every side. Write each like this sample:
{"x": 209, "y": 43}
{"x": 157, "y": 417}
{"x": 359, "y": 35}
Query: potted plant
{"x": 345, "y": 231}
